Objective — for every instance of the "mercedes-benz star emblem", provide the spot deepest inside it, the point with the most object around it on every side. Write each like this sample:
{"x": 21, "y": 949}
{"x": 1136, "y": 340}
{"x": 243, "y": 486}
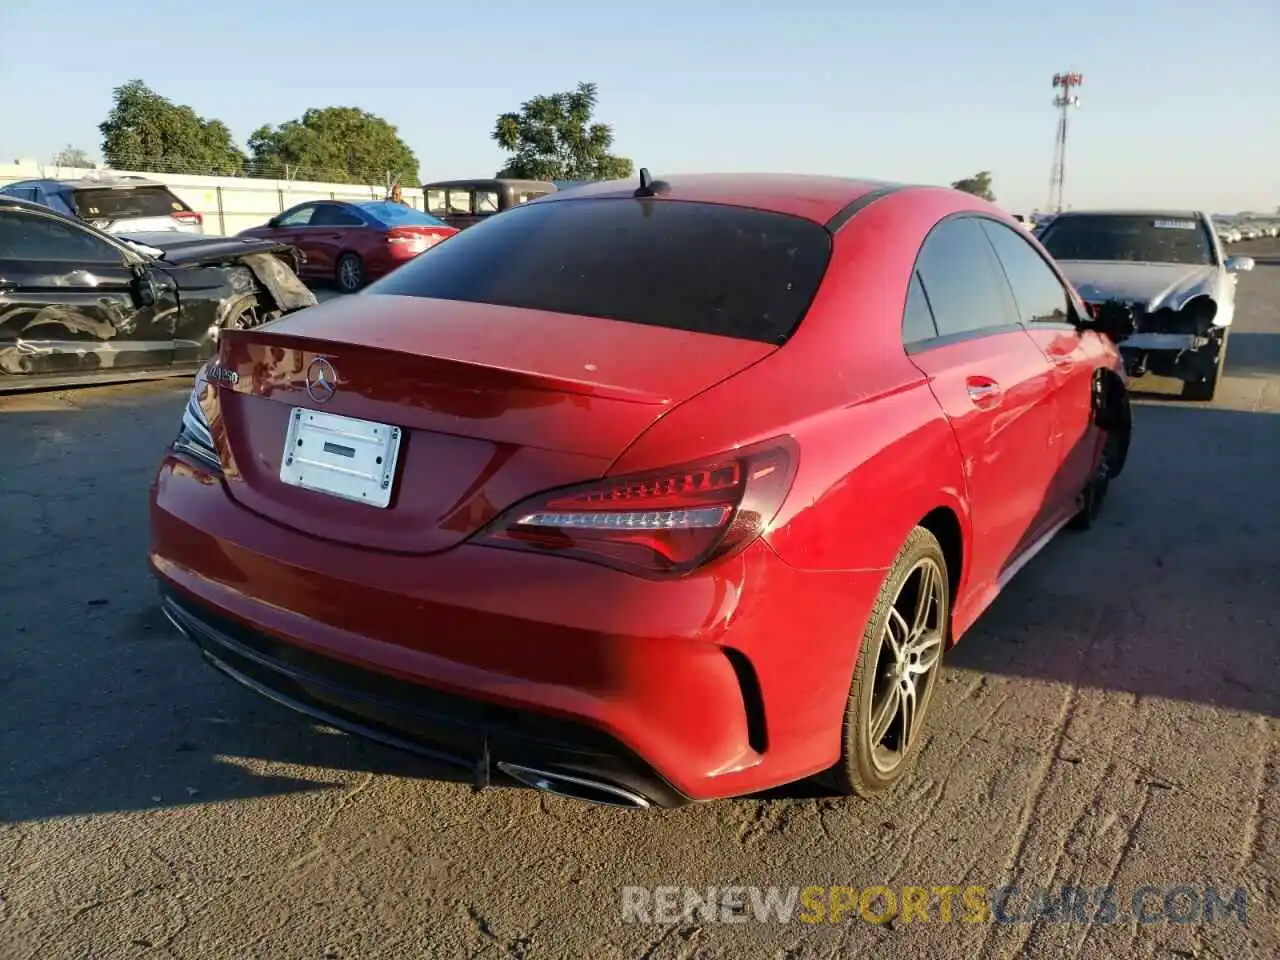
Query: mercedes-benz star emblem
{"x": 322, "y": 379}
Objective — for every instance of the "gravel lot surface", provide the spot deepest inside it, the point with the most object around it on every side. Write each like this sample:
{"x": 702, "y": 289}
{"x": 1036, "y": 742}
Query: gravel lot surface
{"x": 1114, "y": 720}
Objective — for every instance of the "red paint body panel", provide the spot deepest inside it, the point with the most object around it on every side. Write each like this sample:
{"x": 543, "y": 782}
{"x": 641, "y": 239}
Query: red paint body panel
{"x": 499, "y": 403}
{"x": 324, "y": 245}
{"x": 638, "y": 659}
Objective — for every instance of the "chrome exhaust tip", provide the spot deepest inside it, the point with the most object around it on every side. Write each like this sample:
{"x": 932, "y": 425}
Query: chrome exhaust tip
{"x": 573, "y": 787}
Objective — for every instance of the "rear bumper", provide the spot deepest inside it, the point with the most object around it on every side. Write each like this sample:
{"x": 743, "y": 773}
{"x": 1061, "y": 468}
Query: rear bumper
{"x": 716, "y": 685}
{"x": 409, "y": 716}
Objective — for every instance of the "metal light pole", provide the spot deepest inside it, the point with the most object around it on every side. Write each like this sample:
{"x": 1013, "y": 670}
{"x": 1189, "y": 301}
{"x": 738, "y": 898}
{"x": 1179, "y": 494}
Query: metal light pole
{"x": 1064, "y": 101}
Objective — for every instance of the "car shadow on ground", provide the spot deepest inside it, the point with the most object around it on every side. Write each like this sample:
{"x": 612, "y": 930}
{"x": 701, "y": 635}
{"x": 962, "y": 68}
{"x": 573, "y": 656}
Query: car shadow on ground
{"x": 1172, "y": 594}
{"x": 1253, "y": 355}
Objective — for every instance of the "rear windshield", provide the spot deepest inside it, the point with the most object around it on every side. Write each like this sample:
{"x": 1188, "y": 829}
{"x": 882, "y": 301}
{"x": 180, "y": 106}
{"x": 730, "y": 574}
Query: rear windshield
{"x": 105, "y": 203}
{"x": 707, "y": 268}
{"x": 398, "y": 215}
{"x": 1125, "y": 237}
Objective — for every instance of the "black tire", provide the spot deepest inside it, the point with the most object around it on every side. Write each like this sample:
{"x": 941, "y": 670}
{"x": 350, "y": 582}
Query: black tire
{"x": 348, "y": 273}
{"x": 870, "y": 767}
{"x": 1204, "y": 390}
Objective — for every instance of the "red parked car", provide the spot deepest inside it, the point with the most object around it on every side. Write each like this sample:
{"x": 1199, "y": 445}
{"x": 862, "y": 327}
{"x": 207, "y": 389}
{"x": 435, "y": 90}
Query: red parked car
{"x": 644, "y": 495}
{"x": 353, "y": 243}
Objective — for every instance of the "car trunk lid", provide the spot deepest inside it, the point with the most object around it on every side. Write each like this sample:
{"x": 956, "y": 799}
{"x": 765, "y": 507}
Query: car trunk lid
{"x": 492, "y": 404}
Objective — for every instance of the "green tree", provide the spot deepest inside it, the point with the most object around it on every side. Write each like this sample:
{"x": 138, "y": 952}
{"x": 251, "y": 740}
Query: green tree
{"x": 979, "y": 185}
{"x": 70, "y": 156}
{"x": 145, "y": 131}
{"x": 552, "y": 138}
{"x": 339, "y": 144}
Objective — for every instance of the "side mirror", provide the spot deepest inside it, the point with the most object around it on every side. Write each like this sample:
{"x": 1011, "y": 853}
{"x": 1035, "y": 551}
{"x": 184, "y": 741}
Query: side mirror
{"x": 273, "y": 222}
{"x": 1239, "y": 264}
{"x": 1112, "y": 319}
{"x": 144, "y": 287}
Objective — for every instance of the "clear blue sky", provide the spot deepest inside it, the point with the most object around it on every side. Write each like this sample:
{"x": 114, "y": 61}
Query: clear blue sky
{"x": 1179, "y": 104}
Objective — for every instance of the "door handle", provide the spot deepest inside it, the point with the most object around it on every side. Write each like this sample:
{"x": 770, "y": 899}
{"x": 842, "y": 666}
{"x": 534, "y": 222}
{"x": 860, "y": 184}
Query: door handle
{"x": 983, "y": 392}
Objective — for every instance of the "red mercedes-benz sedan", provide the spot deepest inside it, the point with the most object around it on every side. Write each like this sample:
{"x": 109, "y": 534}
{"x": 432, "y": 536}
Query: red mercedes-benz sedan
{"x": 645, "y": 494}
{"x": 351, "y": 243}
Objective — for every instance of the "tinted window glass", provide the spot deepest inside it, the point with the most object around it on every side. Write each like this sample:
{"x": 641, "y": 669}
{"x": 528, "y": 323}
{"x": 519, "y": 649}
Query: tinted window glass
{"x": 709, "y": 268}
{"x": 397, "y": 214}
{"x": 917, "y": 319}
{"x": 24, "y": 236}
{"x": 458, "y": 201}
{"x": 1036, "y": 290}
{"x": 960, "y": 277}
{"x": 56, "y": 201}
{"x": 1144, "y": 239}
{"x": 121, "y": 204}
{"x": 330, "y": 216}
{"x": 297, "y": 218}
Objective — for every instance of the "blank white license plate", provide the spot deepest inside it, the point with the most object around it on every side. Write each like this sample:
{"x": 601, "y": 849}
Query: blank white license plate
{"x": 341, "y": 456}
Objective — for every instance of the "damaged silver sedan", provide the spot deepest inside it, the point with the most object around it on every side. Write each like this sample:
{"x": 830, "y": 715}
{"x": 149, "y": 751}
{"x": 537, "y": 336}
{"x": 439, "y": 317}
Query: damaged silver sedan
{"x": 1169, "y": 270}
{"x": 80, "y": 306}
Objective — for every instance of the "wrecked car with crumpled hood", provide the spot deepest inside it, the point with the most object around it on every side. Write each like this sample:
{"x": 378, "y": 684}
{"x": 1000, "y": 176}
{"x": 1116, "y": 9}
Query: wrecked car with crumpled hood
{"x": 1169, "y": 270}
{"x": 81, "y": 306}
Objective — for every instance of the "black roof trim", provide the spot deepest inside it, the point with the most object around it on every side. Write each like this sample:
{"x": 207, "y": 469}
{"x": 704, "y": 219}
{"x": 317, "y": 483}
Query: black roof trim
{"x": 864, "y": 201}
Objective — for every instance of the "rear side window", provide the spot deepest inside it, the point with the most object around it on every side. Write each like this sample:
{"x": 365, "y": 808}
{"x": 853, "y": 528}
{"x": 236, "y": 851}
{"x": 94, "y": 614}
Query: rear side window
{"x": 105, "y": 203}
{"x": 391, "y": 214}
{"x": 962, "y": 279}
{"x": 707, "y": 268}
{"x": 1039, "y": 295}
{"x": 330, "y": 216}
{"x": 917, "y": 319}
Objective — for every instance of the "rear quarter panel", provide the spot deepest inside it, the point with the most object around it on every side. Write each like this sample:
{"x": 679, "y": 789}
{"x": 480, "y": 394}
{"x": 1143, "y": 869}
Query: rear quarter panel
{"x": 876, "y": 452}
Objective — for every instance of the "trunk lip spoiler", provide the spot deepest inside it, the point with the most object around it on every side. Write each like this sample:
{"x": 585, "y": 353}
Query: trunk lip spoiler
{"x": 527, "y": 379}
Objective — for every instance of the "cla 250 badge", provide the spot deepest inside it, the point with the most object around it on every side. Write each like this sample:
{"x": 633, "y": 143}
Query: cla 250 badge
{"x": 217, "y": 374}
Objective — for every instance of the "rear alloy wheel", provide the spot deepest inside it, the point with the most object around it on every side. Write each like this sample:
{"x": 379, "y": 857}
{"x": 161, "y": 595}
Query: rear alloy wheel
{"x": 350, "y": 273}
{"x": 896, "y": 672}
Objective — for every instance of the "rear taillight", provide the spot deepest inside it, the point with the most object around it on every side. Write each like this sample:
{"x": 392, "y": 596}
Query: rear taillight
{"x": 413, "y": 239}
{"x": 189, "y": 217}
{"x": 662, "y": 523}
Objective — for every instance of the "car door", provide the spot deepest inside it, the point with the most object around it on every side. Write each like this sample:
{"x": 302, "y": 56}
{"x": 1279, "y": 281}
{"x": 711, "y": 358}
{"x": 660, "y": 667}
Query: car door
{"x": 69, "y": 302}
{"x": 1046, "y": 309}
{"x": 331, "y": 234}
{"x": 293, "y": 227}
{"x": 993, "y": 384}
